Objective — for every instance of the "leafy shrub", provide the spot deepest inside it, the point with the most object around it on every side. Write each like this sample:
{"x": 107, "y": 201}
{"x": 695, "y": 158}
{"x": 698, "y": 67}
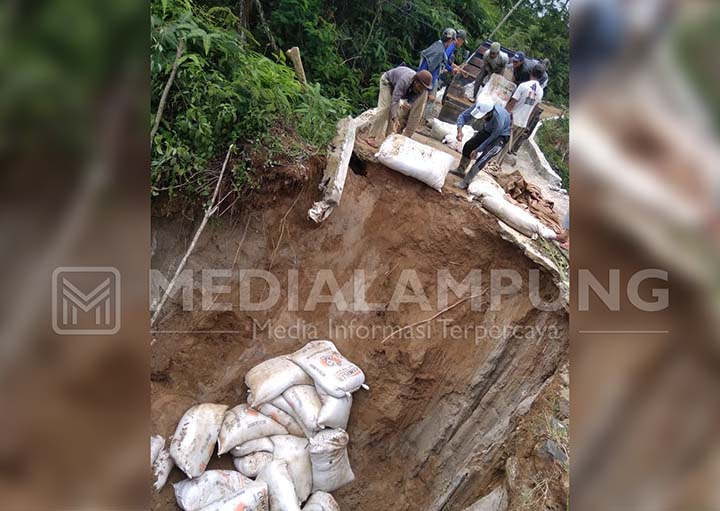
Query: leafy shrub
{"x": 224, "y": 93}
{"x": 554, "y": 141}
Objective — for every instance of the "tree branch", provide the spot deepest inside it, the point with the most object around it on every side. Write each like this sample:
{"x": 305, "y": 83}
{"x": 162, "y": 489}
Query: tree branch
{"x": 210, "y": 211}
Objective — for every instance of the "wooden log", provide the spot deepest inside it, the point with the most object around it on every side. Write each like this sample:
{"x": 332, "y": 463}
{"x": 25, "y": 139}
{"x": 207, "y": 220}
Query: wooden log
{"x": 294, "y": 55}
{"x": 333, "y": 180}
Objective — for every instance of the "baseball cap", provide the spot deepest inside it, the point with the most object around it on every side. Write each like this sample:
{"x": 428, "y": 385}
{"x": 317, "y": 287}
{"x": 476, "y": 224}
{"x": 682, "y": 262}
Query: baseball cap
{"x": 519, "y": 57}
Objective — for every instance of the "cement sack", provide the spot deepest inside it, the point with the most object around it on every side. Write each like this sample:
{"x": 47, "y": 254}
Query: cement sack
{"x": 254, "y": 497}
{"x": 252, "y": 464}
{"x": 321, "y": 501}
{"x": 335, "y": 412}
{"x": 161, "y": 468}
{"x": 305, "y": 402}
{"x": 295, "y": 452}
{"x": 271, "y": 378}
{"x": 213, "y": 485}
{"x": 330, "y": 463}
{"x": 452, "y": 143}
{"x": 242, "y": 424}
{"x": 332, "y": 372}
{"x": 469, "y": 91}
{"x": 194, "y": 439}
{"x": 258, "y": 445}
{"x": 281, "y": 403}
{"x": 283, "y": 418}
{"x": 157, "y": 442}
{"x": 280, "y": 487}
{"x": 440, "y": 130}
{"x": 499, "y": 89}
{"x": 517, "y": 217}
{"x": 415, "y": 160}
{"x": 485, "y": 186}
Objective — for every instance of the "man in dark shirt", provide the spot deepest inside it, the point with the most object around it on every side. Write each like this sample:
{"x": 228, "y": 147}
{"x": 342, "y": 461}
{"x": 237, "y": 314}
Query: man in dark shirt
{"x": 395, "y": 85}
{"x": 521, "y": 68}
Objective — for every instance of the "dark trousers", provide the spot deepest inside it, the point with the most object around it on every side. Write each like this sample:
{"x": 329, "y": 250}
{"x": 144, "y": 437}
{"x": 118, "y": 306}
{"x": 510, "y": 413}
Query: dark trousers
{"x": 490, "y": 152}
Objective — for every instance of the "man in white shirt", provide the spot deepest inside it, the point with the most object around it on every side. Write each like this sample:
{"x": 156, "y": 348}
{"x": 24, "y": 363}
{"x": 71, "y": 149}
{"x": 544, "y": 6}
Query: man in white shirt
{"x": 521, "y": 106}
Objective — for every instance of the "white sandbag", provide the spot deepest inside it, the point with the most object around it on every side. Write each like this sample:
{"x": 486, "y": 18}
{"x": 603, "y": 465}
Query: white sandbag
{"x": 280, "y": 486}
{"x": 271, "y": 378}
{"x": 252, "y": 464}
{"x": 485, "y": 186}
{"x": 295, "y": 452}
{"x": 281, "y": 403}
{"x": 330, "y": 463}
{"x": 213, "y": 485}
{"x": 305, "y": 402}
{"x": 321, "y": 501}
{"x": 469, "y": 91}
{"x": 257, "y": 445}
{"x": 440, "y": 129}
{"x": 499, "y": 88}
{"x": 194, "y": 439}
{"x": 283, "y": 418}
{"x": 254, "y": 497}
{"x": 416, "y": 160}
{"x": 331, "y": 371}
{"x": 242, "y": 424}
{"x": 161, "y": 468}
{"x": 157, "y": 442}
{"x": 517, "y": 217}
{"x": 335, "y": 411}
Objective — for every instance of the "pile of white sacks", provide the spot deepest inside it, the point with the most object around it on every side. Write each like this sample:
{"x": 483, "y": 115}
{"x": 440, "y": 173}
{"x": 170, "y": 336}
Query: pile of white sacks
{"x": 288, "y": 443}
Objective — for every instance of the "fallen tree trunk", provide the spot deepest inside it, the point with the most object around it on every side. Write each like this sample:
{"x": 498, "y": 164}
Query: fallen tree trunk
{"x": 333, "y": 180}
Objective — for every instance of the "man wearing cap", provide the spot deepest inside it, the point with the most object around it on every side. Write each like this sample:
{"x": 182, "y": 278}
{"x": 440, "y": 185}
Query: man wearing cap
{"x": 521, "y": 68}
{"x": 487, "y": 142}
{"x": 435, "y": 57}
{"x": 395, "y": 85}
{"x": 457, "y": 44}
{"x": 494, "y": 62}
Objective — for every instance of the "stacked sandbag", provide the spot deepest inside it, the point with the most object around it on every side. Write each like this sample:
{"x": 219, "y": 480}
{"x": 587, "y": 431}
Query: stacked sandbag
{"x": 220, "y": 490}
{"x": 194, "y": 439}
{"x": 160, "y": 461}
{"x": 288, "y": 443}
{"x": 321, "y": 501}
{"x": 416, "y": 160}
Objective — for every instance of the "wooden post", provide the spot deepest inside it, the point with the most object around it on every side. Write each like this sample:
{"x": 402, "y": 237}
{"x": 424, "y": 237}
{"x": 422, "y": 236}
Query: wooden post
{"x": 294, "y": 55}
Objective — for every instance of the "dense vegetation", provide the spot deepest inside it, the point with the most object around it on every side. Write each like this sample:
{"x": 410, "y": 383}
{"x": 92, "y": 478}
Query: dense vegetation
{"x": 234, "y": 86}
{"x": 696, "y": 39}
{"x": 224, "y": 93}
{"x": 347, "y": 44}
{"x": 553, "y": 139}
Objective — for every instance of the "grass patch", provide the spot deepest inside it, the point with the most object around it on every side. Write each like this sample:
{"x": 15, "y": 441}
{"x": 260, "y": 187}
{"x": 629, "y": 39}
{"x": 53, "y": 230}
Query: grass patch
{"x": 554, "y": 141}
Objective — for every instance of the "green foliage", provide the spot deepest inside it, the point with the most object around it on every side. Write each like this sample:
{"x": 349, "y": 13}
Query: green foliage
{"x": 541, "y": 28}
{"x": 554, "y": 141}
{"x": 347, "y": 44}
{"x": 224, "y": 93}
{"x": 695, "y": 39}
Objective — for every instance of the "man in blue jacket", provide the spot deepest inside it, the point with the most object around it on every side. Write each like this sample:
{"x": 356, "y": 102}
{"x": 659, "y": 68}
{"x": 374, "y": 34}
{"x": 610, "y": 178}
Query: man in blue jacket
{"x": 487, "y": 142}
{"x": 435, "y": 57}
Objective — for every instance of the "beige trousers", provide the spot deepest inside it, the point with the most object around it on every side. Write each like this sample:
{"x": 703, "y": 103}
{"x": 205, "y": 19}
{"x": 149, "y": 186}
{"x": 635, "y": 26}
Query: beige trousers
{"x": 408, "y": 116}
